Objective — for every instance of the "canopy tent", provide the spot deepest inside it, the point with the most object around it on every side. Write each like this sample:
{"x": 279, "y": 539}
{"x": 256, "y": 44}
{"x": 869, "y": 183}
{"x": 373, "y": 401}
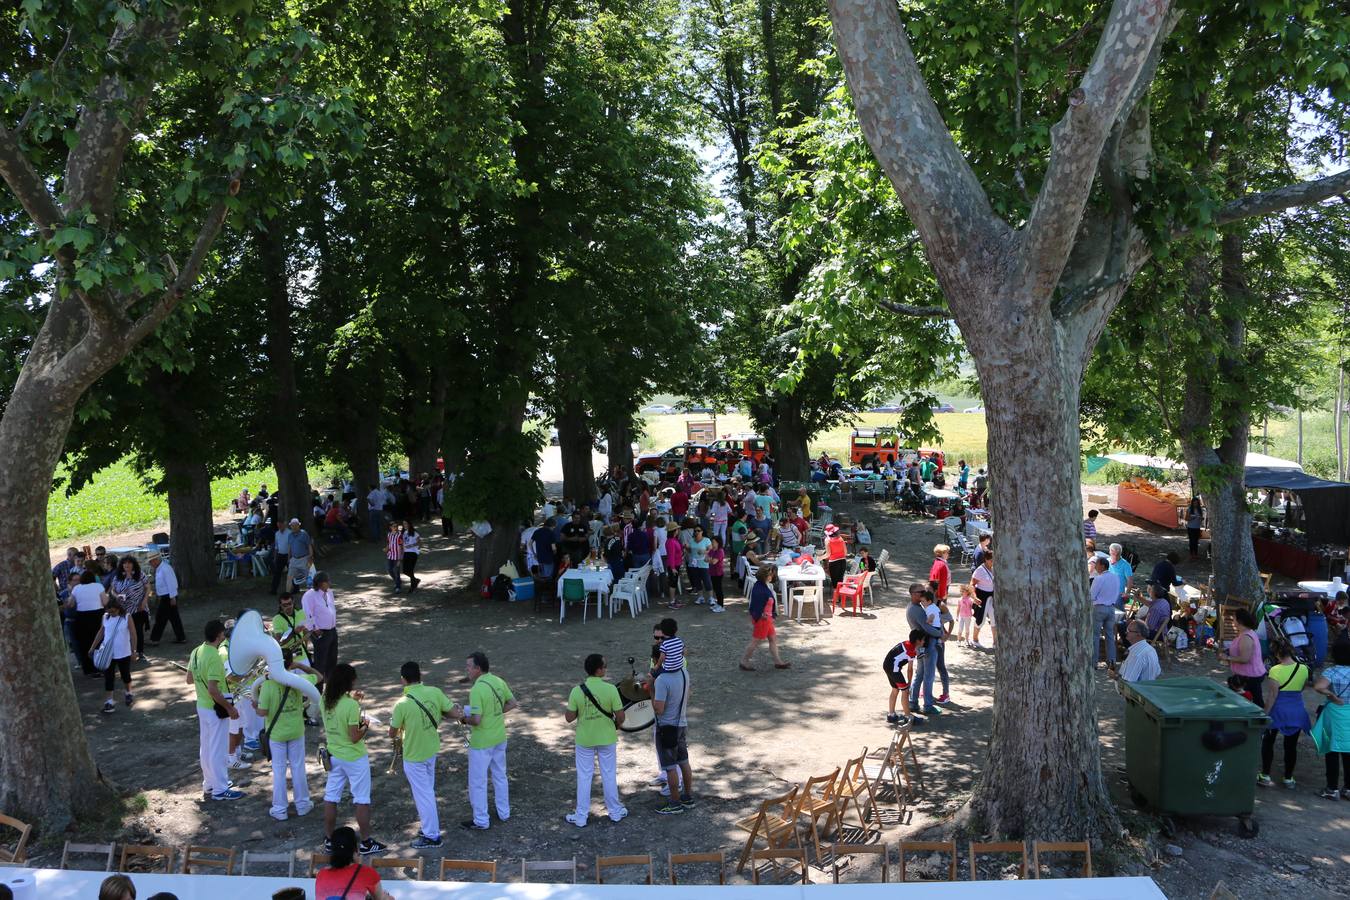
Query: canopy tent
{"x": 1254, "y": 460}
{"x": 1326, "y": 504}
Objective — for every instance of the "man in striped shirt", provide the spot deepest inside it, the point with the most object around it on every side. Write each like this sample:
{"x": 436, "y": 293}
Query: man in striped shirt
{"x": 1090, "y": 525}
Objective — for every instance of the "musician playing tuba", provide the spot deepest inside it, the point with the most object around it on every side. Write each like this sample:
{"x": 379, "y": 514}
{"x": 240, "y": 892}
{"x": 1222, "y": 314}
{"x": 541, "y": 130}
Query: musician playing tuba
{"x": 289, "y": 629}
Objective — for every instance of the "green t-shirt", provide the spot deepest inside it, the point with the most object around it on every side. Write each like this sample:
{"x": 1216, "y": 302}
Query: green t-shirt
{"x": 1281, "y": 673}
{"x": 280, "y": 626}
{"x": 738, "y": 536}
{"x": 421, "y": 740}
{"x": 206, "y": 666}
{"x": 489, "y": 697}
{"x": 335, "y": 722}
{"x": 291, "y": 723}
{"x": 594, "y": 728}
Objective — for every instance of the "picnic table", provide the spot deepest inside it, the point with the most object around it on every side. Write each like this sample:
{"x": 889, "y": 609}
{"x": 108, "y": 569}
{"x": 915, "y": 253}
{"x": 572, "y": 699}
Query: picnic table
{"x": 597, "y": 580}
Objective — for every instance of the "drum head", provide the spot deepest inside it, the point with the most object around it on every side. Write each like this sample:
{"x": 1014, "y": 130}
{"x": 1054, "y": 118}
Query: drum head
{"x": 638, "y": 716}
{"x": 632, "y": 690}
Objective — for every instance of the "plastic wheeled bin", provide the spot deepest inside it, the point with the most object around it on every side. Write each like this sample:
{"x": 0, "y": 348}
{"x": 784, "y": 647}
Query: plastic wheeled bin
{"x": 1193, "y": 748}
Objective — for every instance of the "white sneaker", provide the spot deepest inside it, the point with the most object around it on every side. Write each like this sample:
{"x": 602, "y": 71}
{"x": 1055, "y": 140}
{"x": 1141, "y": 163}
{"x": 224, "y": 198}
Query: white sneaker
{"x": 574, "y": 819}
{"x": 717, "y": 608}
{"x": 665, "y": 790}
{"x": 623, "y": 814}
{"x": 237, "y": 763}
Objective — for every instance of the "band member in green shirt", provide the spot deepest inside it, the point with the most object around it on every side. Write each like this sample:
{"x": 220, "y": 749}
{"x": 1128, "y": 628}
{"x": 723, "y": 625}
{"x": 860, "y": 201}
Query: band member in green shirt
{"x": 416, "y": 721}
{"x": 489, "y": 702}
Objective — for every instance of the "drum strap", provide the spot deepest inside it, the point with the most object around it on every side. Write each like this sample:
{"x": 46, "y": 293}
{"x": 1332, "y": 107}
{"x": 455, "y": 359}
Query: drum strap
{"x": 591, "y": 697}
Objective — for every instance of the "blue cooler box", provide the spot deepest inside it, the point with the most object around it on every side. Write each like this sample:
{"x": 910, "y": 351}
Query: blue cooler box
{"x": 524, "y": 588}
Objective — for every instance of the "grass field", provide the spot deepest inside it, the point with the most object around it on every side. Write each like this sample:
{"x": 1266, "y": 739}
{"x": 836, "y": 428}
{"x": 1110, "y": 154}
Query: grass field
{"x": 117, "y": 500}
{"x": 963, "y": 434}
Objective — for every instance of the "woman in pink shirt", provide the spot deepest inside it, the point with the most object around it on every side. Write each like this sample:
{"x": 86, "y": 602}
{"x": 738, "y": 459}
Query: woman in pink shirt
{"x": 674, "y": 560}
{"x": 1244, "y": 654}
{"x": 717, "y": 560}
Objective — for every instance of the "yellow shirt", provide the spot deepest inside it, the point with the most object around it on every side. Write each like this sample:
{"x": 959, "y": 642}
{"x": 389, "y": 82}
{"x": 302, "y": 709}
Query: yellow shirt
{"x": 421, "y": 739}
{"x": 345, "y": 712}
{"x": 290, "y": 725}
{"x": 806, "y": 507}
{"x": 206, "y": 666}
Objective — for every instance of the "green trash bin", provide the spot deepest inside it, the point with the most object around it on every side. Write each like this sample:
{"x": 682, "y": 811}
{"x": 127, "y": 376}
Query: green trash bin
{"x": 1193, "y": 748}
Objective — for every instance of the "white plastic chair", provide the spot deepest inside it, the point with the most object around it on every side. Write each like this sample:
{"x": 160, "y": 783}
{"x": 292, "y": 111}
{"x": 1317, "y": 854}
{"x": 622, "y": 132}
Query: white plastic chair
{"x": 882, "y": 558}
{"x": 749, "y": 578}
{"x": 801, "y": 595}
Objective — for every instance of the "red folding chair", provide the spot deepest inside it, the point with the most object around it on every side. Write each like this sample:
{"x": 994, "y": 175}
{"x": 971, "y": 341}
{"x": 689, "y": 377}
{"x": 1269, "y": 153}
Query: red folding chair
{"x": 851, "y": 588}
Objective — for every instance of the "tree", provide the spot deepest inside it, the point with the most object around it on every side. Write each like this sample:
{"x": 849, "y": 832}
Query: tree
{"x": 1030, "y": 286}
{"x": 92, "y": 81}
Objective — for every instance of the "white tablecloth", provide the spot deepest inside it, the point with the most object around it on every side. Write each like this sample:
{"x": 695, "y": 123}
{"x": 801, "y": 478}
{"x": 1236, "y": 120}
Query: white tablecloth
{"x": 975, "y": 528}
{"x": 941, "y": 494}
{"x": 795, "y": 574}
{"x": 595, "y": 581}
{"x": 53, "y": 884}
{"x": 1329, "y": 588}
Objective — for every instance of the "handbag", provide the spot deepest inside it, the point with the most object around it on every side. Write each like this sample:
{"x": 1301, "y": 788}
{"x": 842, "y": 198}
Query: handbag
{"x": 265, "y": 736}
{"x": 668, "y": 736}
{"x": 103, "y": 656}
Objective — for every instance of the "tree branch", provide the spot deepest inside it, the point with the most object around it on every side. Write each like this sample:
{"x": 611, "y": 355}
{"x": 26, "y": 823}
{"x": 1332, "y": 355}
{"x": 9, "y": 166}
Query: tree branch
{"x": 1077, "y": 140}
{"x": 906, "y": 309}
{"x": 1263, "y": 203}
{"x": 28, "y": 188}
{"x": 187, "y": 275}
{"x": 905, "y": 130}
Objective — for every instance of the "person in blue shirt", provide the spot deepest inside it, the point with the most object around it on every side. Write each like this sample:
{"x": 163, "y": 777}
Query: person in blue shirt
{"x": 1123, "y": 571}
{"x": 545, "y": 542}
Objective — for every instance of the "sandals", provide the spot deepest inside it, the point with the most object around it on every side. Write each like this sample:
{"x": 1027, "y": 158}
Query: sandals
{"x": 782, "y": 665}
{"x": 745, "y": 668}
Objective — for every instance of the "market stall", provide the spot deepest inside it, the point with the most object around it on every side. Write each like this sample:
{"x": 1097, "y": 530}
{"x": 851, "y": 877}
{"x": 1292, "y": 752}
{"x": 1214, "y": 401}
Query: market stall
{"x": 1141, "y": 497}
{"x": 1305, "y": 535}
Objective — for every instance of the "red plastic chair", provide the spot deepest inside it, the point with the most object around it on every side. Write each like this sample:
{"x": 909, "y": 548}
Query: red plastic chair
{"x": 852, "y": 588}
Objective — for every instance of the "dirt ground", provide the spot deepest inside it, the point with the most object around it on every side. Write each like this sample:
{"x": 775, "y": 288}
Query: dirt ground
{"x": 751, "y": 734}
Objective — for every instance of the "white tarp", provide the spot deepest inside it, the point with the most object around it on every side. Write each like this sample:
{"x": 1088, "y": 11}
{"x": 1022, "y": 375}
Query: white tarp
{"x": 1259, "y": 460}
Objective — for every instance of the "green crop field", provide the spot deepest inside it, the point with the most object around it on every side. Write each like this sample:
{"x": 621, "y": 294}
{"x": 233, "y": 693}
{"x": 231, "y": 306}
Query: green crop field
{"x": 963, "y": 434}
{"x": 117, "y": 500}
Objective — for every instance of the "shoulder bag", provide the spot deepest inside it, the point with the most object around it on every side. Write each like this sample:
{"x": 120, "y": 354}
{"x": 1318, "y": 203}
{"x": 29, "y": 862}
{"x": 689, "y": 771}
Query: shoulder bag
{"x": 265, "y": 737}
{"x": 221, "y": 712}
{"x": 591, "y": 697}
{"x": 103, "y": 656}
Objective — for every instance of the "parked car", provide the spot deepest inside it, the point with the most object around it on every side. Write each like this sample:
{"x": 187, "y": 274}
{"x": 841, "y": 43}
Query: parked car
{"x": 942, "y": 408}
{"x": 735, "y": 447}
{"x": 973, "y": 409}
{"x": 886, "y": 408}
{"x": 687, "y": 455}
{"x": 706, "y": 410}
{"x": 658, "y": 409}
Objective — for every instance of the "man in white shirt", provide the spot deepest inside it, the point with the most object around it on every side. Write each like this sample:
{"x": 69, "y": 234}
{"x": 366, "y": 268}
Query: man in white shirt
{"x": 1141, "y": 663}
{"x": 375, "y": 503}
{"x": 166, "y": 589}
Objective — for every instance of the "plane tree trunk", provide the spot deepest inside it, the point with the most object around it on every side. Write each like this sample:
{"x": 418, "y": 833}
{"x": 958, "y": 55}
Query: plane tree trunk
{"x": 191, "y": 521}
{"x": 575, "y": 444}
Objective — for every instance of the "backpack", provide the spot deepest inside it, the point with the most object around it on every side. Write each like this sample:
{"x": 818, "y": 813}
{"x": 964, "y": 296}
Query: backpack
{"x": 501, "y": 588}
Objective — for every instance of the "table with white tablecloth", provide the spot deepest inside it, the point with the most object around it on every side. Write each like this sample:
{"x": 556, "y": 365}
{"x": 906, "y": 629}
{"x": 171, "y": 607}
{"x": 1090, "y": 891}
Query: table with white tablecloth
{"x": 794, "y": 575}
{"x": 1327, "y": 588}
{"x": 598, "y": 581}
{"x": 57, "y": 884}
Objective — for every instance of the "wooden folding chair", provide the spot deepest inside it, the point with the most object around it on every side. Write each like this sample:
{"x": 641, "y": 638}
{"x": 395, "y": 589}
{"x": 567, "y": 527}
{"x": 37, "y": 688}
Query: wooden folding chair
{"x": 147, "y": 858}
{"x": 814, "y": 805}
{"x": 469, "y": 865}
{"x": 258, "y": 859}
{"x": 548, "y": 865}
{"x": 104, "y": 850}
{"x": 854, "y": 785}
{"x": 880, "y": 850}
{"x": 401, "y": 865}
{"x": 199, "y": 857}
{"x": 892, "y": 765}
{"x": 773, "y": 857}
{"x": 1001, "y": 847}
{"x": 20, "y": 852}
{"x": 776, "y": 828}
{"x": 610, "y": 862}
{"x": 1039, "y": 847}
{"x": 948, "y": 847}
{"x": 317, "y": 861}
{"x": 679, "y": 859}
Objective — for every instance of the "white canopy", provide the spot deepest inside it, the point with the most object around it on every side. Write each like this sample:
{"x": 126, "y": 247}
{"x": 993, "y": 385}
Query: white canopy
{"x": 1162, "y": 462}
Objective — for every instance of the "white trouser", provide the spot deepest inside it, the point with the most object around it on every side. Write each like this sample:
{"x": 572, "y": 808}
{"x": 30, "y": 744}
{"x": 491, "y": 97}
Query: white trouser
{"x": 586, "y": 760}
{"x": 720, "y": 531}
{"x": 292, "y": 754}
{"x": 253, "y": 723}
{"x": 213, "y": 738}
{"x": 481, "y": 763}
{"x": 422, "y": 781}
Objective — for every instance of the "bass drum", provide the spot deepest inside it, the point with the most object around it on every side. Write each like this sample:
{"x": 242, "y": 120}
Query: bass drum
{"x": 638, "y": 716}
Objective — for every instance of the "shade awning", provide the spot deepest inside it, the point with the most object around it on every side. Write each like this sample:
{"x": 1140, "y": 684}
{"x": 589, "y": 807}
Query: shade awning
{"x": 1143, "y": 461}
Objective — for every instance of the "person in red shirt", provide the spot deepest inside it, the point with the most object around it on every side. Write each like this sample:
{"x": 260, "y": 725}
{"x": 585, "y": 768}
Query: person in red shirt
{"x": 802, "y": 525}
{"x": 836, "y": 554}
{"x": 679, "y": 503}
{"x": 940, "y": 575}
{"x": 346, "y": 879}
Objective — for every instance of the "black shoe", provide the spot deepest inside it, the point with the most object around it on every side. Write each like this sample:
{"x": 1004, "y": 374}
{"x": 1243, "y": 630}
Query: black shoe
{"x": 468, "y": 825}
{"x": 371, "y": 846}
